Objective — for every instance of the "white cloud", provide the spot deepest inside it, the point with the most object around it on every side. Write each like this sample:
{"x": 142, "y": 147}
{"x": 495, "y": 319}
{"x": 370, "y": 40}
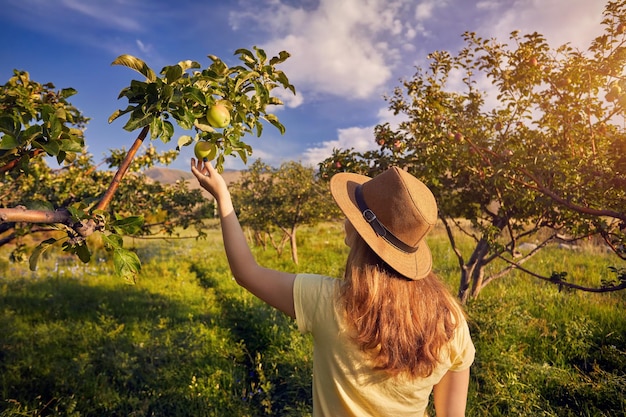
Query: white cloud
{"x": 340, "y": 48}
{"x": 146, "y": 49}
{"x": 560, "y": 21}
{"x": 288, "y": 98}
{"x": 424, "y": 10}
{"x": 105, "y": 13}
{"x": 359, "y": 138}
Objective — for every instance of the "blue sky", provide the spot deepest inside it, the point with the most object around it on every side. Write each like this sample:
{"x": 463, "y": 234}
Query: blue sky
{"x": 346, "y": 54}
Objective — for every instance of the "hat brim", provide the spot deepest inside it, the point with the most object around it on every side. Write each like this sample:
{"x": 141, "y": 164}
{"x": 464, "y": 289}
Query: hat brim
{"x": 414, "y": 265}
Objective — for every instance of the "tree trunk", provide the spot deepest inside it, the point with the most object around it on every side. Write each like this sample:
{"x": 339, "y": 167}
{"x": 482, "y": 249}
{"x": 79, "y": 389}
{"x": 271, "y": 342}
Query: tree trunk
{"x": 294, "y": 247}
{"x": 472, "y": 273}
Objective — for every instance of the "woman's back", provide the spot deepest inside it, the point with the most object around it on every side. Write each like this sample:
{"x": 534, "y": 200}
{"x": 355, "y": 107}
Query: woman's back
{"x": 345, "y": 379}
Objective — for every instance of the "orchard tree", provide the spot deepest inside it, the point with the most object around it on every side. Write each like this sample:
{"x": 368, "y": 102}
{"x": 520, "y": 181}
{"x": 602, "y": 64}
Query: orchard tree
{"x": 283, "y": 199}
{"x": 516, "y": 139}
{"x": 36, "y": 120}
{"x": 164, "y": 208}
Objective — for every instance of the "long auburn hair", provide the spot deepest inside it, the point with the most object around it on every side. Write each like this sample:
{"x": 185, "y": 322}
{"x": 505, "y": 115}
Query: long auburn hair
{"x": 402, "y": 324}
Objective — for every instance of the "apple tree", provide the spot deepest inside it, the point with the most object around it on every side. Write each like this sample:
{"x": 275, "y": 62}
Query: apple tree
{"x": 518, "y": 141}
{"x": 35, "y": 120}
{"x": 282, "y": 199}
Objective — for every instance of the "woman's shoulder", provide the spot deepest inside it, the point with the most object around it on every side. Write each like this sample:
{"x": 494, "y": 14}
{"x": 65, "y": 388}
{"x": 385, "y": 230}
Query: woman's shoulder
{"x": 313, "y": 296}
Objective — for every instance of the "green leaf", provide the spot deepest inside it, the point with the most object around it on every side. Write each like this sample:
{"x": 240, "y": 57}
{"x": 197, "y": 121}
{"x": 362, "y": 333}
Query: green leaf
{"x": 282, "y": 57}
{"x": 246, "y": 56}
{"x": 127, "y": 263}
{"x": 118, "y": 113}
{"x": 8, "y": 124}
{"x": 185, "y": 65}
{"x": 77, "y": 213}
{"x": 203, "y": 124}
{"x": 68, "y": 92}
{"x": 261, "y": 54}
{"x": 173, "y": 73}
{"x": 137, "y": 122}
{"x": 38, "y": 251}
{"x": 156, "y": 128}
{"x": 128, "y": 225}
{"x": 274, "y": 121}
{"x": 83, "y": 252}
{"x": 135, "y": 64}
{"x": 8, "y": 142}
{"x": 168, "y": 131}
{"x": 184, "y": 140}
{"x": 51, "y": 147}
{"x": 112, "y": 241}
{"x": 245, "y": 77}
{"x": 71, "y": 145}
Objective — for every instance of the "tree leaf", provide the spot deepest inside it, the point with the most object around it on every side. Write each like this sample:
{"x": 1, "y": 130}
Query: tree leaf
{"x": 173, "y": 73}
{"x": 137, "y": 122}
{"x": 8, "y": 142}
{"x": 38, "y": 251}
{"x": 135, "y": 64}
{"x": 274, "y": 121}
{"x": 112, "y": 241}
{"x": 128, "y": 225}
{"x": 184, "y": 140}
{"x": 83, "y": 252}
{"x": 127, "y": 263}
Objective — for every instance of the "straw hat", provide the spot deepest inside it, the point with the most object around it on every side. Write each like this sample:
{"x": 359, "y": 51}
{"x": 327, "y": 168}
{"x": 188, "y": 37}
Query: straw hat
{"x": 393, "y": 212}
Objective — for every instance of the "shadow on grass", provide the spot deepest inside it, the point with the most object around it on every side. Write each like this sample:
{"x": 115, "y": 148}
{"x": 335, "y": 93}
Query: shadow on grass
{"x": 69, "y": 348}
{"x": 279, "y": 358}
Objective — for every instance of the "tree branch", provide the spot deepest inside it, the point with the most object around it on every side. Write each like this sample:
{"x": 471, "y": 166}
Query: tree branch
{"x": 22, "y": 214}
{"x": 108, "y": 195}
{"x": 9, "y": 166}
{"x": 580, "y": 209}
{"x": 560, "y": 282}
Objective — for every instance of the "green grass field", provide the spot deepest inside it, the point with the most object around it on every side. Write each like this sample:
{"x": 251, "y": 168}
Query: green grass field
{"x": 185, "y": 340}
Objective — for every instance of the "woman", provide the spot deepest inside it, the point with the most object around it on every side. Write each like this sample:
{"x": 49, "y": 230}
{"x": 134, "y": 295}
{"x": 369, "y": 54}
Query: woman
{"x": 388, "y": 334}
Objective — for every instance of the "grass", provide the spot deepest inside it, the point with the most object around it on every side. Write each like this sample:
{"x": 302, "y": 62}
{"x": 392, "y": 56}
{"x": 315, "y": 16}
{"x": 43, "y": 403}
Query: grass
{"x": 185, "y": 340}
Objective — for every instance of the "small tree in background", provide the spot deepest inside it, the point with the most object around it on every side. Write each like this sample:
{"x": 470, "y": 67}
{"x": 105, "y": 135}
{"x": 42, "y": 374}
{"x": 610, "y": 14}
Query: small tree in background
{"x": 516, "y": 139}
{"x": 285, "y": 198}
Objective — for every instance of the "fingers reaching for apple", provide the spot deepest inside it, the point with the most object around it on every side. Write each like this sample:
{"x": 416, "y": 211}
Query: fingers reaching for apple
{"x": 209, "y": 178}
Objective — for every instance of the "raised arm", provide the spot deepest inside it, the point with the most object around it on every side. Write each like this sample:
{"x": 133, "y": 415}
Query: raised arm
{"x": 273, "y": 287}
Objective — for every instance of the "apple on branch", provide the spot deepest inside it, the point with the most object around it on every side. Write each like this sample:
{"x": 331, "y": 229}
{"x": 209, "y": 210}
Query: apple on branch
{"x": 205, "y": 151}
{"x": 218, "y": 115}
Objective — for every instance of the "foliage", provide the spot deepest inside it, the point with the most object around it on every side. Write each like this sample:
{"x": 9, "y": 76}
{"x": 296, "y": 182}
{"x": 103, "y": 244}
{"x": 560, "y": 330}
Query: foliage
{"x": 187, "y": 98}
{"x": 283, "y": 199}
{"x": 524, "y": 142}
{"x": 34, "y": 119}
{"x": 143, "y": 208}
{"x": 187, "y": 341}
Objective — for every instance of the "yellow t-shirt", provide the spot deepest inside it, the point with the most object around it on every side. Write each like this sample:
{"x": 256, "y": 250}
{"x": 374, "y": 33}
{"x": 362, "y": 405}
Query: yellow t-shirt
{"x": 343, "y": 383}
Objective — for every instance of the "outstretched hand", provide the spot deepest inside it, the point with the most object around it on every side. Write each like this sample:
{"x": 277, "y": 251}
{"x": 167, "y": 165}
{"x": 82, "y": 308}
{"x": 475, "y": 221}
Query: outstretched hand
{"x": 209, "y": 178}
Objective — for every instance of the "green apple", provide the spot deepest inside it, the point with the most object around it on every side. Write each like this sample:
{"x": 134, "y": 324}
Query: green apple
{"x": 218, "y": 115}
{"x": 205, "y": 151}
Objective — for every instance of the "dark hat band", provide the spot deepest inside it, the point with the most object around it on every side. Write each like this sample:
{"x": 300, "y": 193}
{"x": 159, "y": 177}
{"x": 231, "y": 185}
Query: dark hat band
{"x": 378, "y": 227}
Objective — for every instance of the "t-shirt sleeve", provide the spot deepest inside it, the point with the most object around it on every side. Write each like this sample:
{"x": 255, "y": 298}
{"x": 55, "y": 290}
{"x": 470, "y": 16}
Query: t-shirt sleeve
{"x": 307, "y": 289}
{"x": 462, "y": 350}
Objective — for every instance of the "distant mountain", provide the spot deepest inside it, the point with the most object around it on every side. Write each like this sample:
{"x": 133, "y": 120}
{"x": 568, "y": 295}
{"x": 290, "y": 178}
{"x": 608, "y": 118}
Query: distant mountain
{"x": 170, "y": 176}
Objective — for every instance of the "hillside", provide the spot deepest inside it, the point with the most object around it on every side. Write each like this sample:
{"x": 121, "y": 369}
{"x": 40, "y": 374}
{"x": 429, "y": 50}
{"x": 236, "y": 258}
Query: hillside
{"x": 170, "y": 176}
